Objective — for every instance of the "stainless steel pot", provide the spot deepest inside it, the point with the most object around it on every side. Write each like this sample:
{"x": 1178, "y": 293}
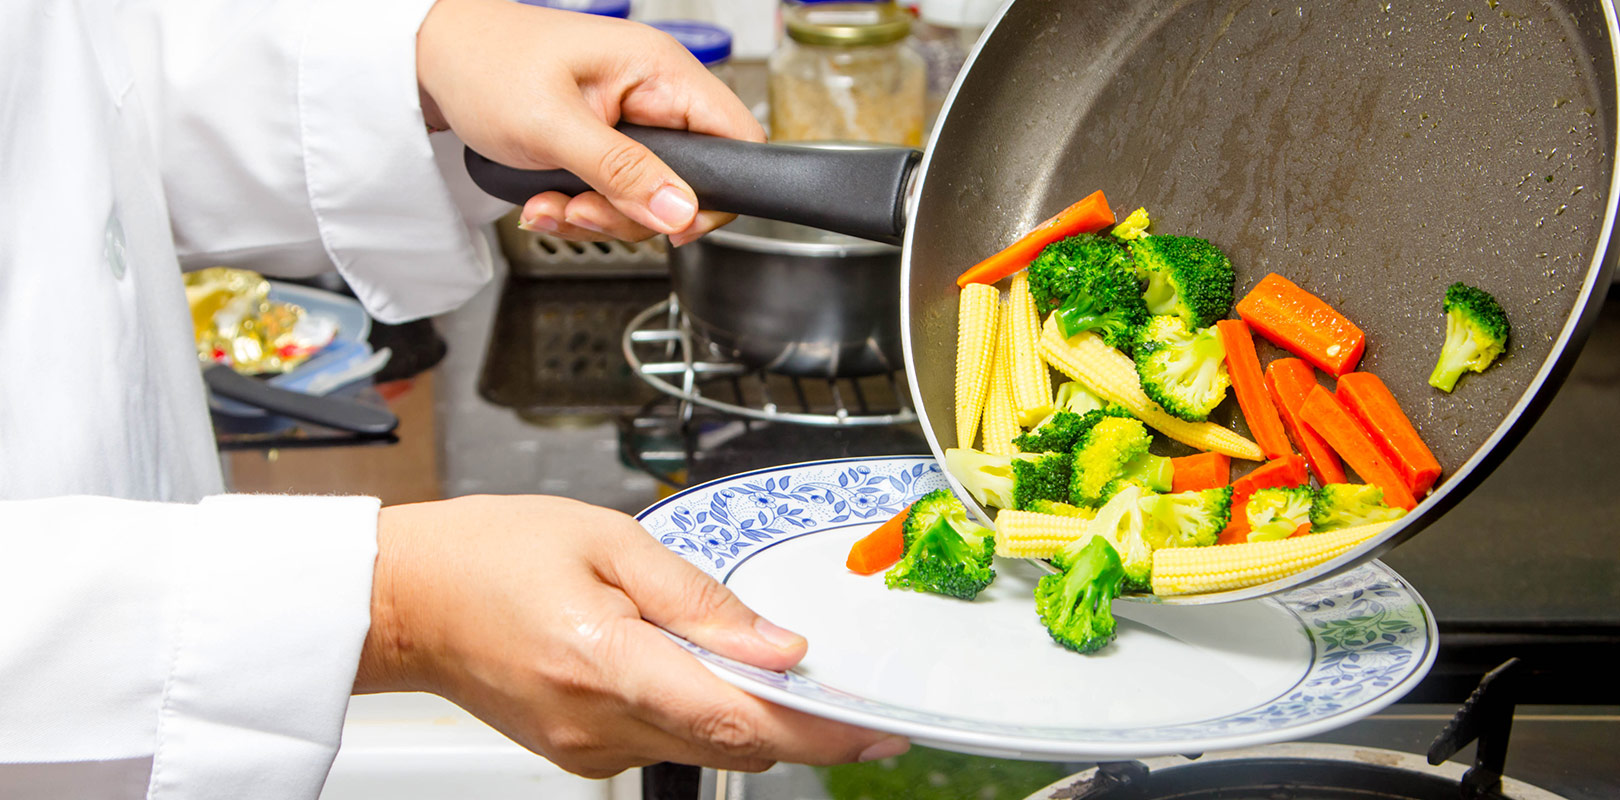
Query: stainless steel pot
{"x": 793, "y": 299}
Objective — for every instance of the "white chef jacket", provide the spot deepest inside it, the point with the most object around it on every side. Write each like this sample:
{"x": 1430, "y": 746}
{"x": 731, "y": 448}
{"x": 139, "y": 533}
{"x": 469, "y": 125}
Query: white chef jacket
{"x": 186, "y": 649}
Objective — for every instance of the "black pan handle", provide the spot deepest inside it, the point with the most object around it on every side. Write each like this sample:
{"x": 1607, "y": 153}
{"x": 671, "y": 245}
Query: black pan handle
{"x": 340, "y": 415}
{"x": 858, "y": 190}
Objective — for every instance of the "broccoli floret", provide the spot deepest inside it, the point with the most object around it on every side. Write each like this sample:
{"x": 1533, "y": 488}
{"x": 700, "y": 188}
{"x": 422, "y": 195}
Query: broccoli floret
{"x": 1111, "y": 456}
{"x": 1061, "y": 509}
{"x": 1122, "y": 523}
{"x": 1089, "y": 281}
{"x": 1186, "y": 276}
{"x": 1073, "y": 396}
{"x": 1011, "y": 481}
{"x": 1476, "y": 333}
{"x": 1187, "y": 519}
{"x": 1182, "y": 370}
{"x": 1045, "y": 476}
{"x": 1064, "y": 430}
{"x": 930, "y": 508}
{"x": 1277, "y": 513}
{"x": 1346, "y": 505}
{"x": 1077, "y": 605}
{"x": 946, "y": 560}
{"x": 1133, "y": 226}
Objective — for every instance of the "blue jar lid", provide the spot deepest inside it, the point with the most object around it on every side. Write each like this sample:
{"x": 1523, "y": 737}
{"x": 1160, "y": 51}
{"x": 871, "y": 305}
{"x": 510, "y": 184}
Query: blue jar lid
{"x": 601, "y": 8}
{"x": 710, "y": 44}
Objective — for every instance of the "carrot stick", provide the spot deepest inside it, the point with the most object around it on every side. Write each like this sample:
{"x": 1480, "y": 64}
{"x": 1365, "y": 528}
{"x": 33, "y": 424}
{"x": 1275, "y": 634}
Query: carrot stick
{"x": 1087, "y": 216}
{"x": 878, "y": 550}
{"x": 1370, "y": 402}
{"x": 1302, "y": 530}
{"x": 1289, "y": 380}
{"x": 1299, "y": 322}
{"x": 1249, "y": 384}
{"x": 1323, "y": 413}
{"x": 1279, "y": 473}
{"x": 1201, "y": 471}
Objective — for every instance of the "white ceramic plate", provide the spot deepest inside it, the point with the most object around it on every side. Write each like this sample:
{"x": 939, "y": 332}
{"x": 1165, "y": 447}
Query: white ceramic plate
{"x": 984, "y": 677}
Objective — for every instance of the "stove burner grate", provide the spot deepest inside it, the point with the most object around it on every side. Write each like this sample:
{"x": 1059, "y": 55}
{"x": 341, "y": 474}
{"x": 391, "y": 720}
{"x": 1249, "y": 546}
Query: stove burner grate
{"x": 663, "y": 350}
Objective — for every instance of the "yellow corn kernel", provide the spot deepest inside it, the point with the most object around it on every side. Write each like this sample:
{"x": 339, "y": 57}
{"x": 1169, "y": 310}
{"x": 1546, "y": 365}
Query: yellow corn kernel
{"x": 1110, "y": 373}
{"x": 1032, "y": 381}
{"x": 999, "y": 424}
{"x": 1026, "y": 534}
{"x": 1200, "y": 570}
{"x": 975, "y": 343}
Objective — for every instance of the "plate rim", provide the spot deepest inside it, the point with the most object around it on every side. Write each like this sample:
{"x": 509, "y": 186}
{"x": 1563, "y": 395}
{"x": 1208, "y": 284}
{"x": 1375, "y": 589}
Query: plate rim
{"x": 1054, "y": 749}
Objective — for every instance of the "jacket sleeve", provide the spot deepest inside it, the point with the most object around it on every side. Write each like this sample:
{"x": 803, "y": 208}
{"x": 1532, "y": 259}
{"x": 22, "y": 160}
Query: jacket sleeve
{"x": 216, "y": 643}
{"x": 292, "y": 140}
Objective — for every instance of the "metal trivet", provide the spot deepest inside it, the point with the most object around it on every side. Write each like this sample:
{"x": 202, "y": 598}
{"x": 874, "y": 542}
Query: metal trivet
{"x": 661, "y": 348}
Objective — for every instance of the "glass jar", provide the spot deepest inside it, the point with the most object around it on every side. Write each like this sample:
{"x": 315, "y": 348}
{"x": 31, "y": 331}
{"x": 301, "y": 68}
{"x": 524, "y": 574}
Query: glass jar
{"x": 844, "y": 73}
{"x": 709, "y": 44}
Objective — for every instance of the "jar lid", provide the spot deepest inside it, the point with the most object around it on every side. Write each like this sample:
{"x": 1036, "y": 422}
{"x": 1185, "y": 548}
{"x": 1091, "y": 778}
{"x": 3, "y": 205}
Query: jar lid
{"x": 847, "y": 24}
{"x": 710, "y": 44}
{"x": 601, "y": 8}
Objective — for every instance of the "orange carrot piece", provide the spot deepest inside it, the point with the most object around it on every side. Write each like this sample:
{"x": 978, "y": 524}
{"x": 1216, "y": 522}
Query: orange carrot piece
{"x": 1279, "y": 473}
{"x": 1299, "y": 322}
{"x": 1289, "y": 380}
{"x": 1323, "y": 413}
{"x": 1201, "y": 471}
{"x": 1249, "y": 384}
{"x": 1302, "y": 530}
{"x": 878, "y": 550}
{"x": 1087, "y": 216}
{"x": 1370, "y": 402}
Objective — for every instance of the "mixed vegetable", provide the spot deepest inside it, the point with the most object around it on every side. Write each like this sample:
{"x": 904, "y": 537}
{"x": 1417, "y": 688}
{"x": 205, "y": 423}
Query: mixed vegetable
{"x": 1137, "y": 322}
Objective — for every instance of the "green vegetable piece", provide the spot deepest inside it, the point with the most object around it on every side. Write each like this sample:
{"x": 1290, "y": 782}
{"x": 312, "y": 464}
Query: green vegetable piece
{"x": 1187, "y": 519}
{"x": 1346, "y": 505}
{"x": 1276, "y": 513}
{"x": 1186, "y": 276}
{"x": 946, "y": 560}
{"x": 1182, "y": 370}
{"x": 1101, "y": 458}
{"x": 1133, "y": 226}
{"x": 1076, "y": 606}
{"x": 1089, "y": 282}
{"x": 1476, "y": 333}
{"x": 1123, "y": 524}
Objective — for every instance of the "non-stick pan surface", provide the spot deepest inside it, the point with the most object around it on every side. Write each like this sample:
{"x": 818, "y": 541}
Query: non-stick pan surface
{"x": 1374, "y": 152}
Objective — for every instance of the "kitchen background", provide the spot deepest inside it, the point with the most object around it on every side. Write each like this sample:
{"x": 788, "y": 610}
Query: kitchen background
{"x": 525, "y": 390}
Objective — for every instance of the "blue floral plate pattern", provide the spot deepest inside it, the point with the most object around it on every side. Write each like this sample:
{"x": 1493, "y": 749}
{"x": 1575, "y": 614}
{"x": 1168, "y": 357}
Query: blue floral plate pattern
{"x": 1363, "y": 639}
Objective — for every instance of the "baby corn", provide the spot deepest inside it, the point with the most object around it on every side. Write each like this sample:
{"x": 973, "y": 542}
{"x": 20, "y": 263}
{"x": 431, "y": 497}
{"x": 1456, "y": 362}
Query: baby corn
{"x": 975, "y": 343}
{"x": 1026, "y": 534}
{"x": 1200, "y": 570}
{"x": 1032, "y": 381}
{"x": 1000, "y": 423}
{"x": 1111, "y": 374}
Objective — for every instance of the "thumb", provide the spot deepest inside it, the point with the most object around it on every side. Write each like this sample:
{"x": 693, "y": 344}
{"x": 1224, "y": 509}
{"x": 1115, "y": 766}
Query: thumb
{"x": 639, "y": 184}
{"x": 680, "y": 598}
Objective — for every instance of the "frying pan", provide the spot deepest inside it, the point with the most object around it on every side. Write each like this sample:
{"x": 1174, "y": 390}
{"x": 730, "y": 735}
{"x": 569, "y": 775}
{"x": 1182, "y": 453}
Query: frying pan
{"x": 1372, "y": 152}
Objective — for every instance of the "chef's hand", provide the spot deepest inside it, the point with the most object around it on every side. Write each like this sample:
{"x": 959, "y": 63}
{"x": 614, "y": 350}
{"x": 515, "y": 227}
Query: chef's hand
{"x": 538, "y": 88}
{"x": 537, "y": 615}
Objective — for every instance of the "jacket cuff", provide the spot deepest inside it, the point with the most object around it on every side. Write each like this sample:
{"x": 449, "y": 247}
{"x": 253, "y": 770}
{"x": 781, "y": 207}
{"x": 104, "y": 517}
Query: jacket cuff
{"x": 276, "y": 608}
{"x": 386, "y": 216}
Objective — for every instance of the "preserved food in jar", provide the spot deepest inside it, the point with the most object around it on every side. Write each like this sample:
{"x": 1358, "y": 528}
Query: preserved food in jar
{"x": 844, "y": 73}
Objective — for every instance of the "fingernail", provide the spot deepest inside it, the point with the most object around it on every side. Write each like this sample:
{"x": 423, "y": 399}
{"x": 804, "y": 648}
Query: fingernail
{"x": 537, "y": 223}
{"x": 780, "y": 637}
{"x": 885, "y": 748}
{"x": 581, "y": 222}
{"x": 671, "y": 206}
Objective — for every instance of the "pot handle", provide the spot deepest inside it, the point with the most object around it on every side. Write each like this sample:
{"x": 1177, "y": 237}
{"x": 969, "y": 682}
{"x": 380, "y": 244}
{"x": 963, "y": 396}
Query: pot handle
{"x": 856, "y": 190}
